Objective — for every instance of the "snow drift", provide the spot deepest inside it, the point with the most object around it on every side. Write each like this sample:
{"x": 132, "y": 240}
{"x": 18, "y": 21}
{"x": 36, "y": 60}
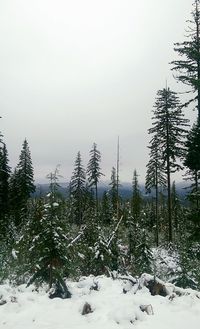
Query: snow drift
{"x": 113, "y": 304}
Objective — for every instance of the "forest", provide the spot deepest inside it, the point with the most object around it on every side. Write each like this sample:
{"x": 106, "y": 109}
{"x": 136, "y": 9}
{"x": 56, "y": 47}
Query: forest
{"x": 53, "y": 238}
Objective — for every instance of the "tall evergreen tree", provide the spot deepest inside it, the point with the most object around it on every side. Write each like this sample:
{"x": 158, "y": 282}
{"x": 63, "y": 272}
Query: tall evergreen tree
{"x": 78, "y": 189}
{"x": 22, "y": 184}
{"x": 192, "y": 159}
{"x": 133, "y": 223}
{"x": 114, "y": 191}
{"x": 14, "y": 198}
{"x": 188, "y": 67}
{"x": 169, "y": 127}
{"x": 136, "y": 201}
{"x": 155, "y": 177}
{"x": 4, "y": 186}
{"x": 94, "y": 171}
{"x": 25, "y": 172}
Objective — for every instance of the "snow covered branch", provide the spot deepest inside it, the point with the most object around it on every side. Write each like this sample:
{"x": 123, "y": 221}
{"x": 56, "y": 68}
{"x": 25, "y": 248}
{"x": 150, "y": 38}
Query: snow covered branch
{"x": 114, "y": 232}
{"x": 76, "y": 238}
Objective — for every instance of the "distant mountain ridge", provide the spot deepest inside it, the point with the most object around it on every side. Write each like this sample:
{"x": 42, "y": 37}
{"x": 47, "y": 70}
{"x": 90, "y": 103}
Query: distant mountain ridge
{"x": 125, "y": 189}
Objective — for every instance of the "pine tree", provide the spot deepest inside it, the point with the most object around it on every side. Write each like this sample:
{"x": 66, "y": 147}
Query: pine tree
{"x": 169, "y": 127}
{"x": 186, "y": 271}
{"x": 25, "y": 173}
{"x": 155, "y": 177}
{"x": 4, "y": 209}
{"x": 136, "y": 201}
{"x": 99, "y": 246}
{"x": 94, "y": 171}
{"x": 112, "y": 247}
{"x": 86, "y": 247}
{"x": 106, "y": 209}
{"x": 14, "y": 198}
{"x": 48, "y": 249}
{"x": 192, "y": 160}
{"x": 177, "y": 213}
{"x": 21, "y": 185}
{"x": 143, "y": 254}
{"x": 102, "y": 254}
{"x": 132, "y": 235}
{"x": 4, "y": 188}
{"x": 78, "y": 189}
{"x": 114, "y": 191}
{"x": 193, "y": 212}
{"x": 188, "y": 67}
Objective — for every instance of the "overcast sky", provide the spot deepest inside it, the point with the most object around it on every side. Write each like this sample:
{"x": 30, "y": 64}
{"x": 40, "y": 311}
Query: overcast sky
{"x": 74, "y": 72}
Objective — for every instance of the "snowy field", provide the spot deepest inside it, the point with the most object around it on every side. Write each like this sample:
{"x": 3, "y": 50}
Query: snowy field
{"x": 26, "y": 308}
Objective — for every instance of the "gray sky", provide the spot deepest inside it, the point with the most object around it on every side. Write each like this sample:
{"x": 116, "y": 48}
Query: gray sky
{"x": 74, "y": 72}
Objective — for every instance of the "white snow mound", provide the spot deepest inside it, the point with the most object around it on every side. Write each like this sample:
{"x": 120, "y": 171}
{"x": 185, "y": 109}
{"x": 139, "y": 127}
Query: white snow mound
{"x": 28, "y": 308}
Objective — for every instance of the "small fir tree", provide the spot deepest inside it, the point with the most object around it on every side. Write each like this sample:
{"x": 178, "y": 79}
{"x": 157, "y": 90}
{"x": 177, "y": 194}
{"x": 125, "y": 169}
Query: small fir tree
{"x": 78, "y": 190}
{"x": 49, "y": 244}
{"x": 143, "y": 254}
{"x": 114, "y": 192}
{"x": 25, "y": 174}
{"x": 106, "y": 209}
{"x": 94, "y": 171}
{"x": 136, "y": 201}
{"x": 132, "y": 227}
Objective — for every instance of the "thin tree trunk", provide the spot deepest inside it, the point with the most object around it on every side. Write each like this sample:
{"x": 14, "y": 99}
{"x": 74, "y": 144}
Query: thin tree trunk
{"x": 96, "y": 196}
{"x": 118, "y": 178}
{"x": 168, "y": 175}
{"x": 156, "y": 210}
{"x": 169, "y": 203}
{"x": 50, "y": 274}
{"x": 196, "y": 189}
{"x": 198, "y": 63}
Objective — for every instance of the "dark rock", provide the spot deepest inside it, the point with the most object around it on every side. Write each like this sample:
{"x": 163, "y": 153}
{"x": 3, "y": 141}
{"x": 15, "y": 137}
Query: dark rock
{"x": 156, "y": 288}
{"x": 86, "y": 309}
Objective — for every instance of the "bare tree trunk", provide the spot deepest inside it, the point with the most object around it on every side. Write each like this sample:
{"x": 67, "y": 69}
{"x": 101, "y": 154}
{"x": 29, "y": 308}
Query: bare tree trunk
{"x": 168, "y": 176}
{"x": 198, "y": 62}
{"x": 196, "y": 189}
{"x": 156, "y": 210}
{"x": 118, "y": 178}
{"x": 50, "y": 274}
{"x": 96, "y": 196}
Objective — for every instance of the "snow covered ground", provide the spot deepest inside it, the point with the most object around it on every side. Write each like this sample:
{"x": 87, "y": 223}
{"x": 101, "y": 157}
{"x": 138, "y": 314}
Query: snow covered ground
{"x": 26, "y": 308}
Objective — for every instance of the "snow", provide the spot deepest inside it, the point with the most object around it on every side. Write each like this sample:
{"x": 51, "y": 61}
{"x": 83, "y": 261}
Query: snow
{"x": 14, "y": 253}
{"x": 32, "y": 309}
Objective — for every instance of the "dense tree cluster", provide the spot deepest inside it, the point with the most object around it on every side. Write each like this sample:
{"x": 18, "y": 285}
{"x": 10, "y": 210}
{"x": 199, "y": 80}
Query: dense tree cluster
{"x": 47, "y": 238}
